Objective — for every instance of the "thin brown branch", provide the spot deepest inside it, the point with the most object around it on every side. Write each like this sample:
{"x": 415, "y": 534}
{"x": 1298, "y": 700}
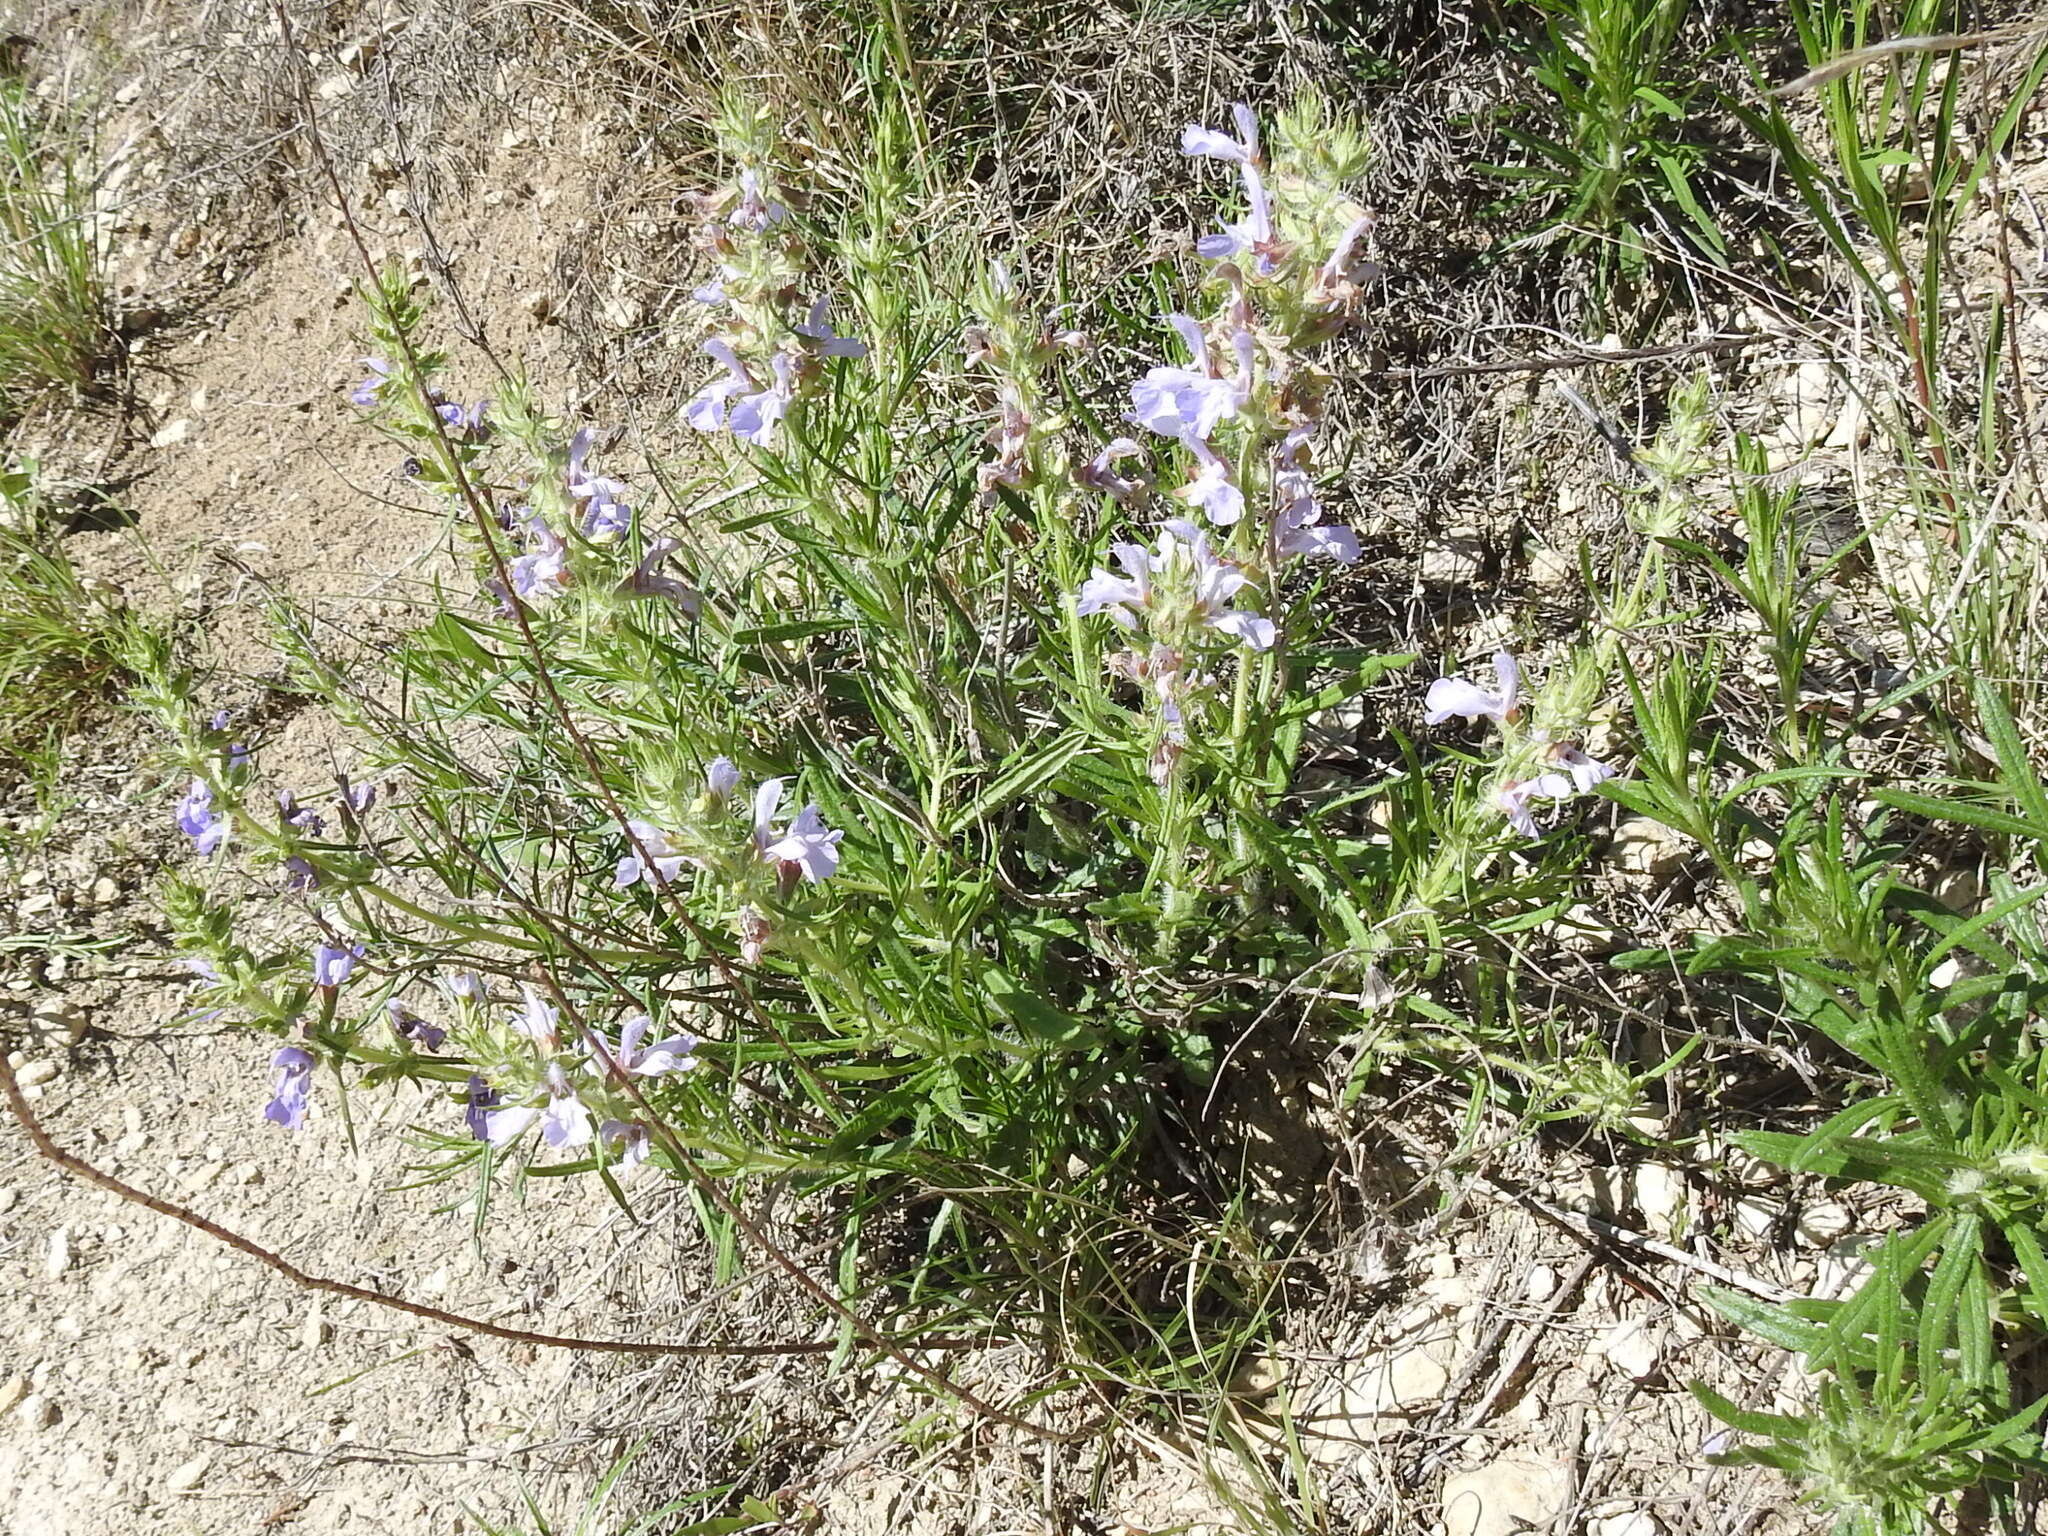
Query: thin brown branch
{"x": 1589, "y": 357}
{"x": 47, "y": 1148}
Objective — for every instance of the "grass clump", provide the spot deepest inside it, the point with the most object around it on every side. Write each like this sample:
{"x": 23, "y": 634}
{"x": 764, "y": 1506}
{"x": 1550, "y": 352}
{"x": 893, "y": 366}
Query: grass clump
{"x": 55, "y": 328}
{"x": 65, "y": 646}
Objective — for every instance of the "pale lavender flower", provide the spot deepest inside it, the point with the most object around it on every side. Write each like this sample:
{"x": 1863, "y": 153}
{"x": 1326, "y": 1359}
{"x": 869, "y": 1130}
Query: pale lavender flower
{"x": 1513, "y": 798}
{"x": 502, "y": 1127}
{"x": 1585, "y": 771}
{"x": 1298, "y": 532}
{"x": 607, "y": 514}
{"x": 1197, "y": 141}
{"x": 632, "y": 1141}
{"x": 465, "y": 987}
{"x": 754, "y": 417}
{"x": 479, "y": 1099}
{"x": 707, "y": 408}
{"x": 1182, "y": 548}
{"x": 647, "y": 579}
{"x": 544, "y": 566}
{"x": 756, "y": 211}
{"x": 766, "y": 798}
{"x": 408, "y": 1025}
{"x": 1250, "y": 236}
{"x": 299, "y": 875}
{"x": 197, "y": 819}
{"x": 1295, "y": 530}
{"x": 1450, "y": 696}
{"x": 1124, "y": 598}
{"x": 1216, "y": 583}
{"x": 664, "y": 859}
{"x": 366, "y": 393}
{"x": 1012, "y": 436}
{"x": 1099, "y": 473}
{"x": 674, "y": 1054}
{"x": 355, "y": 798}
{"x": 300, "y": 818}
{"x": 1254, "y": 233}
{"x": 1183, "y": 402}
{"x": 807, "y": 846}
{"x": 721, "y": 778}
{"x": 291, "y": 1087}
{"x": 204, "y": 969}
{"x": 332, "y": 963}
{"x": 465, "y": 421}
{"x": 1212, "y": 489}
{"x": 830, "y": 343}
{"x": 538, "y": 1021}
{"x": 567, "y": 1120}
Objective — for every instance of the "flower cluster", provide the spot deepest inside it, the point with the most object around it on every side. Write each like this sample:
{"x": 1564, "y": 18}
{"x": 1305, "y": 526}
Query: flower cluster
{"x": 1015, "y": 346}
{"x": 770, "y": 861}
{"x": 773, "y": 341}
{"x": 595, "y": 509}
{"x": 578, "y": 1094}
{"x": 1242, "y": 411}
{"x": 1562, "y": 769}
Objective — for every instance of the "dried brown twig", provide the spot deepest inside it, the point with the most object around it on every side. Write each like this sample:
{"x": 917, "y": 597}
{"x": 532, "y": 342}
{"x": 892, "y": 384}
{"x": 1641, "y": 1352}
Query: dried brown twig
{"x": 47, "y": 1148}
{"x": 1588, "y": 357}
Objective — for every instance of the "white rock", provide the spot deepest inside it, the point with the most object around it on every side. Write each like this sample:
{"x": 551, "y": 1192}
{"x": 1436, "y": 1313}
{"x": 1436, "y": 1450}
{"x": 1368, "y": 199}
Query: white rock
{"x": 38, "y": 1411}
{"x": 1822, "y": 1223}
{"x": 1540, "y": 1284}
{"x": 1661, "y": 1196}
{"x": 42, "y": 1071}
{"x": 622, "y": 313}
{"x": 1633, "y": 1347}
{"x": 1757, "y": 1217}
{"x": 12, "y": 1391}
{"x": 58, "y": 1258}
{"x": 334, "y": 87}
{"x": 1645, "y": 847}
{"x": 58, "y": 1023}
{"x": 1635, "y": 1522}
{"x": 317, "y": 1330}
{"x": 171, "y": 433}
{"x": 1809, "y": 403}
{"x": 1510, "y": 1495}
{"x": 1455, "y": 559}
{"x": 190, "y": 1474}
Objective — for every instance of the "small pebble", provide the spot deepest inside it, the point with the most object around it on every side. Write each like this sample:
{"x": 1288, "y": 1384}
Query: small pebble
{"x": 38, "y": 1412}
{"x": 58, "y": 1260}
{"x": 190, "y": 1474}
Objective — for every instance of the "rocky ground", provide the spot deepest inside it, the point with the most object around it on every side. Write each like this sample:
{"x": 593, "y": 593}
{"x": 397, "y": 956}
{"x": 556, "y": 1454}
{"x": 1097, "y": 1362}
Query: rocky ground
{"x": 1514, "y": 1357}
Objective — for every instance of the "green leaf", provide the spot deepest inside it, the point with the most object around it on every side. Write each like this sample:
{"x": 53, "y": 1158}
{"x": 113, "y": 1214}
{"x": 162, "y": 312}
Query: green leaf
{"x": 1766, "y": 1320}
{"x": 1962, "y": 811}
{"x": 1026, "y": 771}
{"x": 1042, "y": 1024}
{"x": 1775, "y": 1425}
